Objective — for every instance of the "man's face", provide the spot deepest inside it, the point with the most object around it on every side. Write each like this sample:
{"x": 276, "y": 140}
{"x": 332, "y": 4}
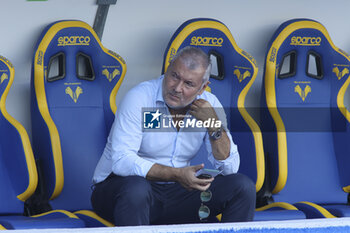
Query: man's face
{"x": 181, "y": 85}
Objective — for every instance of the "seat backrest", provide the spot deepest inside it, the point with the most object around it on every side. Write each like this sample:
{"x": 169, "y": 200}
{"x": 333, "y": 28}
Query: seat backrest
{"x": 18, "y": 174}
{"x": 305, "y": 79}
{"x": 234, "y": 71}
{"x": 74, "y": 85}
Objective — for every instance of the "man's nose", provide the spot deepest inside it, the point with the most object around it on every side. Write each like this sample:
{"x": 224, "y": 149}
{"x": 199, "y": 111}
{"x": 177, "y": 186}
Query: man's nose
{"x": 178, "y": 87}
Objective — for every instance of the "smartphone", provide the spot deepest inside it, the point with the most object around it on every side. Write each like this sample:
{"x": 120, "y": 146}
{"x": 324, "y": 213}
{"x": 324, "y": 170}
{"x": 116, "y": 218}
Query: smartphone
{"x": 207, "y": 173}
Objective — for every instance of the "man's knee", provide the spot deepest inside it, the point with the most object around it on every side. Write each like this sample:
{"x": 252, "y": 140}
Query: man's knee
{"x": 241, "y": 184}
{"x": 240, "y": 194}
{"x": 136, "y": 191}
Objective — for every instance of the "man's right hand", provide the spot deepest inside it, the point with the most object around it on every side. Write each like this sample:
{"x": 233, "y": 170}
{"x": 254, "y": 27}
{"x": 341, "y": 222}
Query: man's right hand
{"x": 187, "y": 178}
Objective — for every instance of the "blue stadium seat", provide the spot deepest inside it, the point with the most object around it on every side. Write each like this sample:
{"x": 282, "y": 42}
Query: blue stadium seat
{"x": 306, "y": 125}
{"x": 74, "y": 85}
{"x": 18, "y": 174}
{"x": 234, "y": 72}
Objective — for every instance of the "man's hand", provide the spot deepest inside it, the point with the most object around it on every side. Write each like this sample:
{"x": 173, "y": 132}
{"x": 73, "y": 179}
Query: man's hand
{"x": 202, "y": 110}
{"x": 187, "y": 178}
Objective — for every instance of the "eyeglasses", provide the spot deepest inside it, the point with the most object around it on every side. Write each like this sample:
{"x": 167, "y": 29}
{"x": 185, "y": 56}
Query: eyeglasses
{"x": 204, "y": 210}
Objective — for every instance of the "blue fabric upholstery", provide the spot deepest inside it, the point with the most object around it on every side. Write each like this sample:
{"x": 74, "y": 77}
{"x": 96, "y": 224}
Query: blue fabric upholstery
{"x": 305, "y": 127}
{"x": 279, "y": 214}
{"x": 49, "y": 220}
{"x": 18, "y": 174}
{"x": 72, "y": 109}
{"x": 237, "y": 71}
{"x": 312, "y": 210}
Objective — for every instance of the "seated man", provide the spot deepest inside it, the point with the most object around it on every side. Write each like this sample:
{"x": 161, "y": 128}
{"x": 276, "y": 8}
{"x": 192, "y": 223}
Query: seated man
{"x": 144, "y": 177}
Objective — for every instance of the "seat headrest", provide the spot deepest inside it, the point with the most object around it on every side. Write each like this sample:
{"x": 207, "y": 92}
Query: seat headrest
{"x": 305, "y": 65}
{"x": 70, "y": 54}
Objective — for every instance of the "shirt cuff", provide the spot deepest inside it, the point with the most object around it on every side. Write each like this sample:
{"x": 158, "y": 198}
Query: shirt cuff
{"x": 229, "y": 165}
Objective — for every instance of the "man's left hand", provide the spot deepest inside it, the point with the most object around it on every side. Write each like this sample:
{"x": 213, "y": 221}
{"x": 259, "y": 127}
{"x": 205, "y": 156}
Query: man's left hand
{"x": 202, "y": 110}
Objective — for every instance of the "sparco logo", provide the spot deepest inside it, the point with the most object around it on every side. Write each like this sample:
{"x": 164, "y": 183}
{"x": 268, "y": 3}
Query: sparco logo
{"x": 305, "y": 41}
{"x": 73, "y": 40}
{"x": 206, "y": 41}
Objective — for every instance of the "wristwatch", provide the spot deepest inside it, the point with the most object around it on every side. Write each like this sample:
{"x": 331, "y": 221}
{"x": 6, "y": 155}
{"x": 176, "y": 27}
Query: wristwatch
{"x": 215, "y": 135}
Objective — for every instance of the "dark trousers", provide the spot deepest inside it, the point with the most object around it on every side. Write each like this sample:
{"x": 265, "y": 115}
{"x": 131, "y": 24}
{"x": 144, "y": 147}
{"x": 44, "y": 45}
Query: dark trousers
{"x": 133, "y": 200}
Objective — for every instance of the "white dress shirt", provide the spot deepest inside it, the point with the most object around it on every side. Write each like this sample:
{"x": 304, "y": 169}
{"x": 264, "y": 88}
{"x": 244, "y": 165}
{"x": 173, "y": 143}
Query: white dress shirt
{"x": 132, "y": 151}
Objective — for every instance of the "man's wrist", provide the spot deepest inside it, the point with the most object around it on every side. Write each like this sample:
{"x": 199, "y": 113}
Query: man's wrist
{"x": 215, "y": 133}
{"x": 213, "y": 129}
{"x": 175, "y": 174}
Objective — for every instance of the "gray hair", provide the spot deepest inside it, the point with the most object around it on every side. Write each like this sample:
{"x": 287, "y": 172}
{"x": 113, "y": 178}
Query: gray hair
{"x": 194, "y": 57}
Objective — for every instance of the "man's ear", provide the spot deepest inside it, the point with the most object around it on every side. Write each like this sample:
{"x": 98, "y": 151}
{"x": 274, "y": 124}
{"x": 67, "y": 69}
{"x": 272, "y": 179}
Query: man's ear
{"x": 203, "y": 88}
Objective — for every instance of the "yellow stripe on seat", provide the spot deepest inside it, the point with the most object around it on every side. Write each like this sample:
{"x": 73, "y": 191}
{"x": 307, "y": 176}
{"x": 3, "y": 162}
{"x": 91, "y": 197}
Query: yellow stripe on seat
{"x": 93, "y": 215}
{"x": 347, "y": 189}
{"x": 340, "y": 98}
{"x": 322, "y": 210}
{"x": 2, "y": 228}
{"x": 208, "y": 89}
{"x": 27, "y": 148}
{"x": 65, "y": 212}
{"x": 282, "y": 205}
